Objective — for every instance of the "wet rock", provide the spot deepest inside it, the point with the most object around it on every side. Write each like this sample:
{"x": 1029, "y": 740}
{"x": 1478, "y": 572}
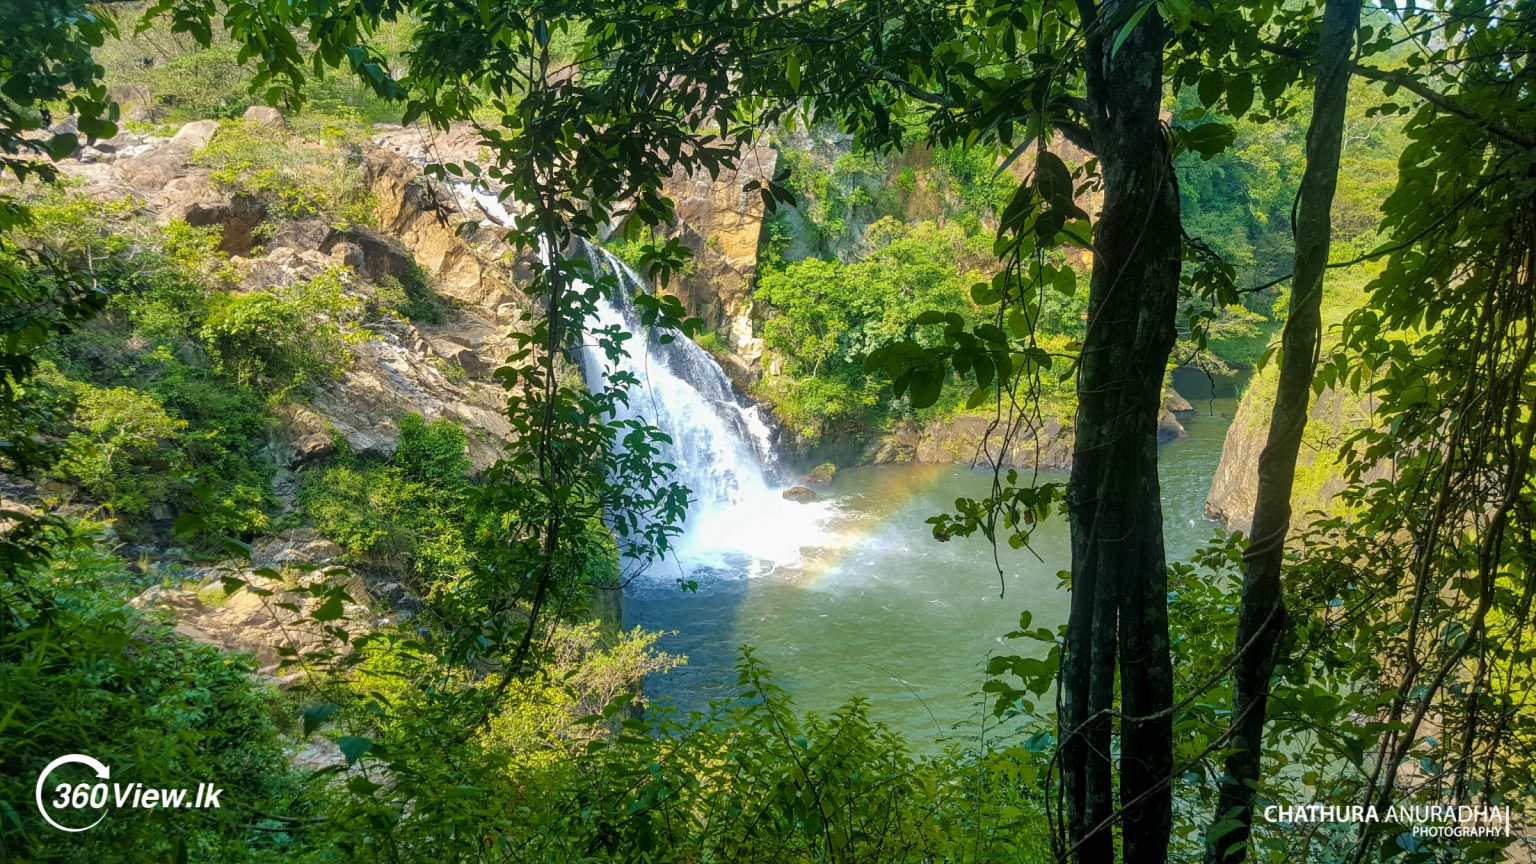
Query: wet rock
{"x": 1168, "y": 426}
{"x": 1176, "y": 403}
{"x": 800, "y": 494}
{"x": 822, "y": 474}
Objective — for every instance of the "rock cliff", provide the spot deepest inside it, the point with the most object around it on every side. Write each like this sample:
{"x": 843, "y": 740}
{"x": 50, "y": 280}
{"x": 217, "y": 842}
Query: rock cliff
{"x": 436, "y": 370}
{"x": 1319, "y": 479}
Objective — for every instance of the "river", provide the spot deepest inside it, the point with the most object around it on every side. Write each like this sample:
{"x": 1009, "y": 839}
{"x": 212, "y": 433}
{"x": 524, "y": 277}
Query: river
{"x": 871, "y": 604}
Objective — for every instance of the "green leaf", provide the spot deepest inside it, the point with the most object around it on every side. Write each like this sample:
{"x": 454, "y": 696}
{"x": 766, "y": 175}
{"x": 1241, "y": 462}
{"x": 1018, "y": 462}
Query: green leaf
{"x": 792, "y": 71}
{"x": 1240, "y": 95}
{"x": 1208, "y": 139}
{"x": 353, "y": 747}
{"x": 926, "y": 387}
{"x": 1053, "y": 180}
{"x": 315, "y": 715}
{"x": 1065, "y": 281}
{"x": 330, "y": 610}
{"x": 1210, "y": 87}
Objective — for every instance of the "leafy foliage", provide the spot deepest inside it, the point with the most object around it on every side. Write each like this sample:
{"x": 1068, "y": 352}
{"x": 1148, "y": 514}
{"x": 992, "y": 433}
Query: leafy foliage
{"x": 289, "y": 336}
{"x": 294, "y": 182}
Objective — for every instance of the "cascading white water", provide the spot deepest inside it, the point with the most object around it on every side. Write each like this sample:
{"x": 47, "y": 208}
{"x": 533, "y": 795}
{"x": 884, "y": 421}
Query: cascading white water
{"x": 722, "y": 443}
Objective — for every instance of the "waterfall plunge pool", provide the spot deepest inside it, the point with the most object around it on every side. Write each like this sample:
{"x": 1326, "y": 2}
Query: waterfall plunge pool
{"x": 851, "y": 595}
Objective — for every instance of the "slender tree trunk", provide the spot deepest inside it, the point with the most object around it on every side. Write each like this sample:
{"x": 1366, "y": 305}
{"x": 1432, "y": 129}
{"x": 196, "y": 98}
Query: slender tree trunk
{"x": 1119, "y": 580}
{"x": 1261, "y": 610}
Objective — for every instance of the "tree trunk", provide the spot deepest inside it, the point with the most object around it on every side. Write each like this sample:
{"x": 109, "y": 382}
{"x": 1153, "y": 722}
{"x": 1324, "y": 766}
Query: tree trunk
{"x": 1261, "y": 610}
{"x": 1119, "y": 578}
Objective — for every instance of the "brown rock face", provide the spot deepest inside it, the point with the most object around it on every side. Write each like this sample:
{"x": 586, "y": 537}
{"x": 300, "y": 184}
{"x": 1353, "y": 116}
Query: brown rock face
{"x": 1234, "y": 489}
{"x": 721, "y": 223}
{"x": 1168, "y": 426}
{"x": 199, "y": 203}
{"x": 263, "y": 115}
{"x": 960, "y": 440}
{"x": 413, "y": 211}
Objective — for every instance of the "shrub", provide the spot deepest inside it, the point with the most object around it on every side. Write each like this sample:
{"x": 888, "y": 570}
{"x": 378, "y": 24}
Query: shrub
{"x": 288, "y": 336}
{"x": 296, "y": 181}
{"x": 411, "y": 298}
{"x": 80, "y": 671}
{"x": 407, "y": 514}
{"x": 121, "y": 452}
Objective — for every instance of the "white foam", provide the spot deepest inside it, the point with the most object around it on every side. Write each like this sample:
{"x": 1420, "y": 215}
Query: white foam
{"x": 722, "y": 443}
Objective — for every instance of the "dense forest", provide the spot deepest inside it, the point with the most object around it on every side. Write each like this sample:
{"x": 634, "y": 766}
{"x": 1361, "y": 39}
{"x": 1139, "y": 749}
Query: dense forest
{"x": 536, "y": 431}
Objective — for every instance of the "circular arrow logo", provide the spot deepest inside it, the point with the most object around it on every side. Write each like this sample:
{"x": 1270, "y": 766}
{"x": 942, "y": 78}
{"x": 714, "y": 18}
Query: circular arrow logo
{"x": 101, "y": 770}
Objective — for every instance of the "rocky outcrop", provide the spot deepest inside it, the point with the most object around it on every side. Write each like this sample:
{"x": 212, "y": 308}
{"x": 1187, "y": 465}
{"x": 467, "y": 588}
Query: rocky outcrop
{"x": 277, "y": 614}
{"x": 716, "y": 217}
{"x": 960, "y": 440}
{"x": 1319, "y": 478}
{"x": 720, "y": 221}
{"x": 1168, "y": 426}
{"x": 426, "y": 220}
{"x": 799, "y": 494}
{"x": 436, "y": 370}
{"x": 197, "y": 202}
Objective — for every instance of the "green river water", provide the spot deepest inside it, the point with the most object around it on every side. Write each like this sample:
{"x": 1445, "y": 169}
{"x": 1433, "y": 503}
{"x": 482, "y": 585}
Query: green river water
{"x": 872, "y": 605}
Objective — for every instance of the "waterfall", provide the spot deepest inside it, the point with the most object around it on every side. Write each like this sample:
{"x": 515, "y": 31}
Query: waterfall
{"x": 722, "y": 442}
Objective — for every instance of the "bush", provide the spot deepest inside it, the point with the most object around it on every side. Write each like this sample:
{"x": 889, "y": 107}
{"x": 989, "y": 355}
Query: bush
{"x": 81, "y": 672}
{"x": 294, "y": 181}
{"x": 411, "y": 298}
{"x": 407, "y": 514}
{"x": 122, "y": 452}
{"x": 287, "y": 337}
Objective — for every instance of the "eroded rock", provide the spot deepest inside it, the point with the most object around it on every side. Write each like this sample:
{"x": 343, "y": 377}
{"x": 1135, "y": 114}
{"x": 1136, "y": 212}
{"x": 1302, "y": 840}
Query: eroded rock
{"x": 799, "y": 494}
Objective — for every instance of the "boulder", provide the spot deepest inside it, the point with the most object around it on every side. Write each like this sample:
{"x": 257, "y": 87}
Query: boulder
{"x": 267, "y": 116}
{"x": 799, "y": 494}
{"x": 966, "y": 439}
{"x": 369, "y": 254}
{"x": 194, "y": 136}
{"x": 1333, "y": 417}
{"x": 300, "y": 234}
{"x": 411, "y": 209}
{"x": 300, "y": 546}
{"x": 1168, "y": 426}
{"x": 822, "y": 474}
{"x": 258, "y": 624}
{"x": 199, "y": 203}
{"x": 1176, "y": 403}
